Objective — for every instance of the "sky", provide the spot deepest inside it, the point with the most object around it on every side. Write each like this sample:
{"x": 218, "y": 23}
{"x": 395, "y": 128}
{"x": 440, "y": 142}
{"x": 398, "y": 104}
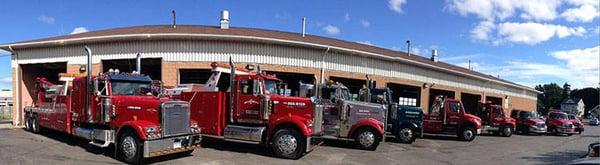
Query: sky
{"x": 528, "y": 42}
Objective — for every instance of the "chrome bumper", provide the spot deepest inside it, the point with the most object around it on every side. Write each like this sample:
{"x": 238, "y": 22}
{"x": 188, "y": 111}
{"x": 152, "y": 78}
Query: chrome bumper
{"x": 566, "y": 130}
{"x": 171, "y": 145}
{"x": 538, "y": 129}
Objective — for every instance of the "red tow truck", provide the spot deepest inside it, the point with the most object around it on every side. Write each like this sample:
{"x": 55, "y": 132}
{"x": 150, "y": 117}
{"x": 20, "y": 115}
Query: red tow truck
{"x": 495, "y": 121}
{"x": 239, "y": 105}
{"x": 448, "y": 116}
{"x": 559, "y": 123}
{"x": 114, "y": 108}
{"x": 529, "y": 122}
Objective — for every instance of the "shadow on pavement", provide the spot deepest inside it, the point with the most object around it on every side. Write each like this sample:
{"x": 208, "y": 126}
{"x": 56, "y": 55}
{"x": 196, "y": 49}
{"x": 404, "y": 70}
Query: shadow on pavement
{"x": 107, "y": 152}
{"x": 222, "y": 145}
{"x": 556, "y": 157}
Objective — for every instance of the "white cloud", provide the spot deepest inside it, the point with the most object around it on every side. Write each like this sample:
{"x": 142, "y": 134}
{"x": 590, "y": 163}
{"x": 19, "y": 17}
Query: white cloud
{"x": 473, "y": 65}
{"x": 482, "y": 30}
{"x": 539, "y": 10}
{"x": 78, "y": 30}
{"x": 597, "y": 30}
{"x": 46, "y": 19}
{"x": 365, "y": 23}
{"x": 365, "y": 42}
{"x": 580, "y": 69}
{"x": 534, "y": 33}
{"x": 580, "y": 59}
{"x": 415, "y": 50}
{"x": 6, "y": 80}
{"x": 347, "y": 17}
{"x": 396, "y": 5}
{"x": 585, "y": 13}
{"x": 331, "y": 30}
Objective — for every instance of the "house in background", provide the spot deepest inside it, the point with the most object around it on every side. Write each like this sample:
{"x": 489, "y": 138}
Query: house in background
{"x": 572, "y": 106}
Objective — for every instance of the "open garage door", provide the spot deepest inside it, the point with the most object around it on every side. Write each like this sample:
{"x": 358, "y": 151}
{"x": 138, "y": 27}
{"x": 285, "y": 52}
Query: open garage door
{"x": 196, "y": 76}
{"x": 494, "y": 100}
{"x": 436, "y": 92}
{"x": 150, "y": 66}
{"x": 405, "y": 94}
{"x": 293, "y": 80}
{"x": 354, "y": 85}
{"x": 470, "y": 102}
{"x": 31, "y": 71}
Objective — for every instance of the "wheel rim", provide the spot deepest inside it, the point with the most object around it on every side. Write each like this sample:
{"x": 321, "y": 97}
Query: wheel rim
{"x": 406, "y": 134}
{"x": 287, "y": 144}
{"x": 366, "y": 138}
{"x": 468, "y": 134}
{"x": 507, "y": 131}
{"x": 128, "y": 147}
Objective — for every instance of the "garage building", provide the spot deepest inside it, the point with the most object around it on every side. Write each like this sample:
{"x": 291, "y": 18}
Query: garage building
{"x": 182, "y": 54}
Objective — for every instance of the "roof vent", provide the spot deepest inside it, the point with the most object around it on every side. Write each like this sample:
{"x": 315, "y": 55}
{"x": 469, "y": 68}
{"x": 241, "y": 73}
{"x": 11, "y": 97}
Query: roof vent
{"x": 434, "y": 55}
{"x": 224, "y": 19}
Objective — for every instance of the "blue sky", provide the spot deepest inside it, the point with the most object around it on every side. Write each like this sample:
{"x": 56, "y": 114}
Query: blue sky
{"x": 528, "y": 42}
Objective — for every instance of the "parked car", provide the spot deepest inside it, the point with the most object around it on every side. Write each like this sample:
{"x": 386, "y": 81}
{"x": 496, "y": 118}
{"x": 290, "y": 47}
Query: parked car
{"x": 594, "y": 121}
{"x": 578, "y": 124}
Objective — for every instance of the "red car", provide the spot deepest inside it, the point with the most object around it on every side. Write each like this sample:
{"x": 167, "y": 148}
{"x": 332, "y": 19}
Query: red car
{"x": 559, "y": 123}
{"x": 578, "y": 124}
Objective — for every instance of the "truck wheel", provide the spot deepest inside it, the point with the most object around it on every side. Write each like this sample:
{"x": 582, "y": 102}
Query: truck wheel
{"x": 130, "y": 148}
{"x": 288, "y": 143}
{"x": 507, "y": 131}
{"x": 406, "y": 135}
{"x": 467, "y": 134}
{"x": 35, "y": 126}
{"x": 367, "y": 139}
{"x": 28, "y": 123}
{"x": 553, "y": 131}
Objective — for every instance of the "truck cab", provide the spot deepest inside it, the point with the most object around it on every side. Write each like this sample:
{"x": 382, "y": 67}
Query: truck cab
{"x": 121, "y": 110}
{"x": 245, "y": 105}
{"x": 345, "y": 119}
{"x": 448, "y": 116}
{"x": 403, "y": 121}
{"x": 529, "y": 122}
{"x": 494, "y": 120}
{"x": 559, "y": 123}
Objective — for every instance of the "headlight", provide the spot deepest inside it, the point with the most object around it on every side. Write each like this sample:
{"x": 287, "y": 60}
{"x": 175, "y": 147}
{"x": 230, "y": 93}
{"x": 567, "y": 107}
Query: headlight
{"x": 567, "y": 125}
{"x": 152, "y": 132}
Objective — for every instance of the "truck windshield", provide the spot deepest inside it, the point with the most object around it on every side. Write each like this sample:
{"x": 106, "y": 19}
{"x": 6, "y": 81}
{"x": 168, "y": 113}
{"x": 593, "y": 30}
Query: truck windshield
{"x": 130, "y": 87}
{"x": 561, "y": 116}
{"x": 530, "y": 115}
{"x": 271, "y": 87}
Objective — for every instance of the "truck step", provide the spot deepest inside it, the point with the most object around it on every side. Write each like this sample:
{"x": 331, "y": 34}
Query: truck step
{"x": 101, "y": 145}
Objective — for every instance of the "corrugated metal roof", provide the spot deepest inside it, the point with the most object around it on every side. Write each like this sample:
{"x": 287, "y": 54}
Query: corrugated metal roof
{"x": 128, "y": 33}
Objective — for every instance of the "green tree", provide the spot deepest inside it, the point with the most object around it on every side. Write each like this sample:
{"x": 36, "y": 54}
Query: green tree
{"x": 590, "y": 96}
{"x": 550, "y": 97}
{"x": 566, "y": 91}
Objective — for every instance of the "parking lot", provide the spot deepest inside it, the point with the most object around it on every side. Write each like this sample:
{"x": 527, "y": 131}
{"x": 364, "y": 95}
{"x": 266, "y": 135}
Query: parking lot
{"x": 20, "y": 147}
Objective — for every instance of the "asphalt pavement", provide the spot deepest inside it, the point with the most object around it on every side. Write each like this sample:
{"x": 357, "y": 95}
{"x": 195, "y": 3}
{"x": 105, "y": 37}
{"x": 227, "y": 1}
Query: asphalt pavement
{"x": 21, "y": 147}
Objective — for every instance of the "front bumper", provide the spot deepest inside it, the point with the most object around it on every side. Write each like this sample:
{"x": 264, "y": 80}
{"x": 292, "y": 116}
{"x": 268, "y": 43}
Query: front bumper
{"x": 566, "y": 130}
{"x": 478, "y": 131}
{"x": 535, "y": 129}
{"x": 169, "y": 145}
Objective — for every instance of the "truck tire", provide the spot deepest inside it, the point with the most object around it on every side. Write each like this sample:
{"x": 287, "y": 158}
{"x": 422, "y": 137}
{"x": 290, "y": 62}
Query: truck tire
{"x": 553, "y": 131}
{"x": 467, "y": 134}
{"x": 406, "y": 135}
{"x": 28, "y": 123}
{"x": 507, "y": 131}
{"x": 367, "y": 139}
{"x": 288, "y": 143}
{"x": 130, "y": 148}
{"x": 35, "y": 126}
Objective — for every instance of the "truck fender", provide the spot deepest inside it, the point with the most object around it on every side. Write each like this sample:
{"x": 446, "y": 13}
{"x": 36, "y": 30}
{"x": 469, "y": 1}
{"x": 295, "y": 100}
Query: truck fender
{"x": 475, "y": 124}
{"x": 367, "y": 122}
{"x": 138, "y": 126}
{"x": 293, "y": 120}
{"x": 411, "y": 125}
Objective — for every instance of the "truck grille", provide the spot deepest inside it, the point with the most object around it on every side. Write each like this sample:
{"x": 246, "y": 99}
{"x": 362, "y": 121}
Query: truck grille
{"x": 540, "y": 124}
{"x": 175, "y": 118}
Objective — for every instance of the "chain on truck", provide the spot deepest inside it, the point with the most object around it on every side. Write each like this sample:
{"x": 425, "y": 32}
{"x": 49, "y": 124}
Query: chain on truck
{"x": 242, "y": 105}
{"x": 114, "y": 108}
